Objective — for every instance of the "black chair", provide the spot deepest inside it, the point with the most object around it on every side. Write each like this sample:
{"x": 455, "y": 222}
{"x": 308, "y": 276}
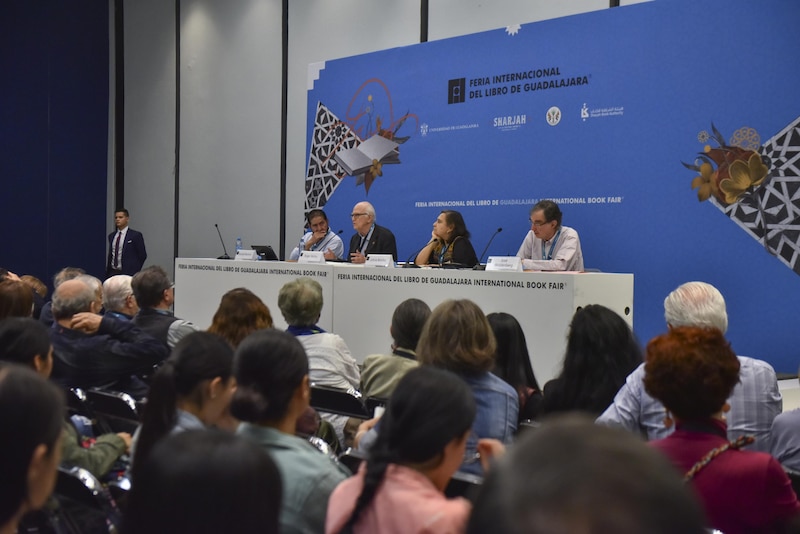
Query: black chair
{"x": 351, "y": 459}
{"x": 118, "y": 411}
{"x": 794, "y": 476}
{"x": 85, "y": 505}
{"x": 463, "y": 485}
{"x": 374, "y": 402}
{"x": 339, "y": 401}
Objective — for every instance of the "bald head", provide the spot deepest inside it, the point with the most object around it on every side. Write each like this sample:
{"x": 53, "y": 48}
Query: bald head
{"x": 71, "y": 297}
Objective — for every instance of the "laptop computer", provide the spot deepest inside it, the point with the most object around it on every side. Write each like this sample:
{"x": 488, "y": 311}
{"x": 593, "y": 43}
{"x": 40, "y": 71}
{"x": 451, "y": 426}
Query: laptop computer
{"x": 265, "y": 251}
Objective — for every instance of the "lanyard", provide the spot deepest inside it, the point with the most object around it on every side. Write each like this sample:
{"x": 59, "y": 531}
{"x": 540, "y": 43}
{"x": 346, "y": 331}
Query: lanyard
{"x": 366, "y": 238}
{"x": 549, "y": 255}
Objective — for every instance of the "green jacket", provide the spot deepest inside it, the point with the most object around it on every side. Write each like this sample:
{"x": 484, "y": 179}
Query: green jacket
{"x": 98, "y": 458}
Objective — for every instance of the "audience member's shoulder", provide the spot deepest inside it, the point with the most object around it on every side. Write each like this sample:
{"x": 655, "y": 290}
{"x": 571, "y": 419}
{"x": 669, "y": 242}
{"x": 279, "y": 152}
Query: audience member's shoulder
{"x": 756, "y": 365}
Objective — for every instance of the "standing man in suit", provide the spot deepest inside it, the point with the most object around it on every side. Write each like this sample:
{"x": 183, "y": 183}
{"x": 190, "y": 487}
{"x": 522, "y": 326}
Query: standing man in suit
{"x": 126, "y": 252}
{"x": 369, "y": 237}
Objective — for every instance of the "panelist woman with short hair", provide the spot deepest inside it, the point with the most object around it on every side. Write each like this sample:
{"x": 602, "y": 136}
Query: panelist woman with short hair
{"x": 450, "y": 243}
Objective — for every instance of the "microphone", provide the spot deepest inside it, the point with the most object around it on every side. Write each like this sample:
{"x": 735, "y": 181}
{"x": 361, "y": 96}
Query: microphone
{"x": 480, "y": 258}
{"x": 409, "y": 263}
{"x": 224, "y": 256}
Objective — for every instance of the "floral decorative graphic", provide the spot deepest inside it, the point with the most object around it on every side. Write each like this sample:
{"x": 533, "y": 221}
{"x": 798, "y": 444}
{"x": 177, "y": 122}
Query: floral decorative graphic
{"x": 731, "y": 172}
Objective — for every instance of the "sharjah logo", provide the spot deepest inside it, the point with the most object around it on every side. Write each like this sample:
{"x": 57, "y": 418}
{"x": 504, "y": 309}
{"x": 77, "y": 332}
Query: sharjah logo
{"x": 553, "y": 116}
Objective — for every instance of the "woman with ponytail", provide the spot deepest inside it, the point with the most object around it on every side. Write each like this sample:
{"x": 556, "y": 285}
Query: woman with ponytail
{"x": 422, "y": 442}
{"x": 271, "y": 370}
{"x": 192, "y": 389}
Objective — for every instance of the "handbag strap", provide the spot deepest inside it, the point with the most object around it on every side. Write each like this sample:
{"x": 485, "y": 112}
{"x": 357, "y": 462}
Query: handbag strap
{"x": 738, "y": 443}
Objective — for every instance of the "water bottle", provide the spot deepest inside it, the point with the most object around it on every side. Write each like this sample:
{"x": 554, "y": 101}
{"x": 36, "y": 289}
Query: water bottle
{"x": 238, "y": 244}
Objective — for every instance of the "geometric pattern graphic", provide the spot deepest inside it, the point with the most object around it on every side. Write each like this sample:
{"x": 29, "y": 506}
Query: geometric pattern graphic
{"x": 324, "y": 174}
{"x": 772, "y": 215}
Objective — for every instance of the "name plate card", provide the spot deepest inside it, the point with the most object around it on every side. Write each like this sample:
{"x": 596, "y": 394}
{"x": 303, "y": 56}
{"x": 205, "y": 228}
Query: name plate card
{"x": 504, "y": 263}
{"x": 379, "y": 260}
{"x": 311, "y": 256}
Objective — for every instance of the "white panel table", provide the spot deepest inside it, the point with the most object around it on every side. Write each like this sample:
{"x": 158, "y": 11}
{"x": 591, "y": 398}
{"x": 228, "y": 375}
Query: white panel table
{"x": 359, "y": 301}
{"x": 200, "y": 284}
{"x": 543, "y": 303}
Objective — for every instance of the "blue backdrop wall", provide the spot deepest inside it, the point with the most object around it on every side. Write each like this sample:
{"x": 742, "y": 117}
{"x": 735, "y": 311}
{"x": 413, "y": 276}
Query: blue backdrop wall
{"x": 53, "y": 135}
{"x": 610, "y": 113}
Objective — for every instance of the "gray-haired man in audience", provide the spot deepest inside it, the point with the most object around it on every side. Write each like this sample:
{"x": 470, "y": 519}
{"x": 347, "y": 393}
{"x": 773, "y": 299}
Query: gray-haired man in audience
{"x": 755, "y": 400}
{"x": 118, "y": 299}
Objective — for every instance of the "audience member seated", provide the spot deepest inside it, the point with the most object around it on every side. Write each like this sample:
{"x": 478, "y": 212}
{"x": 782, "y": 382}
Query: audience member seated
{"x": 785, "y": 439}
{"x": 422, "y": 442}
{"x": 97, "y": 351}
{"x": 601, "y": 352}
{"x": 380, "y": 373}
{"x": 271, "y": 371}
{"x": 155, "y": 294}
{"x": 329, "y": 360}
{"x": 755, "y": 400}
{"x": 369, "y": 237}
{"x": 192, "y": 390}
{"x": 449, "y": 243}
{"x": 240, "y": 313}
{"x": 692, "y": 371}
{"x": 67, "y": 273}
{"x": 204, "y": 482}
{"x": 24, "y": 341}
{"x": 570, "y": 476}
{"x": 458, "y": 338}
{"x": 118, "y": 299}
{"x": 31, "y": 416}
{"x": 16, "y": 299}
{"x": 39, "y": 292}
{"x": 513, "y": 363}
{"x": 31, "y": 283}
{"x": 549, "y": 246}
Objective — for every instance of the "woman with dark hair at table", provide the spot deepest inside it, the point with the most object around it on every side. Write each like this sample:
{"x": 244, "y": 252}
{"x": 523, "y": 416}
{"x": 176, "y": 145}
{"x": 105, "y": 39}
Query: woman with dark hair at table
{"x": 239, "y": 314}
{"x": 204, "y": 482}
{"x": 273, "y": 391}
{"x": 191, "y": 390}
{"x": 449, "y": 243}
{"x": 422, "y": 442}
{"x": 513, "y": 363}
{"x": 693, "y": 371}
{"x": 601, "y": 352}
{"x": 31, "y": 416}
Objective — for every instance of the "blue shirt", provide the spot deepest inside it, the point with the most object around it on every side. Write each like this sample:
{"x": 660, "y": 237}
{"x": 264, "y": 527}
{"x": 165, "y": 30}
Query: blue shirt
{"x": 755, "y": 402}
{"x": 308, "y": 476}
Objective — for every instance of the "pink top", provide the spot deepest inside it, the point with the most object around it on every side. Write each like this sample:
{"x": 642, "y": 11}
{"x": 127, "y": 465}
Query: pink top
{"x": 407, "y": 502}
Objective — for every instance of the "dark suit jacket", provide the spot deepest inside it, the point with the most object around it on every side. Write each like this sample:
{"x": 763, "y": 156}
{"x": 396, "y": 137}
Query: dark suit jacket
{"x": 133, "y": 252}
{"x": 382, "y": 242}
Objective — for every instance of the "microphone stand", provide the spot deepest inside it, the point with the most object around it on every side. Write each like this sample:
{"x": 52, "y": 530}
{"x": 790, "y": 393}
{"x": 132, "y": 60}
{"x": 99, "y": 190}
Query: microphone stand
{"x": 409, "y": 264}
{"x": 481, "y": 267}
{"x": 224, "y": 256}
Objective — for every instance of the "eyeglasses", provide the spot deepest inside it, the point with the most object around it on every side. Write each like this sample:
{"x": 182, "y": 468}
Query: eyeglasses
{"x": 537, "y": 224}
{"x": 357, "y": 215}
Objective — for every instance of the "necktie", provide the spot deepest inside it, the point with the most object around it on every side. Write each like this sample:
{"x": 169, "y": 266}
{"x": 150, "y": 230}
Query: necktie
{"x": 116, "y": 251}
{"x": 361, "y": 245}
